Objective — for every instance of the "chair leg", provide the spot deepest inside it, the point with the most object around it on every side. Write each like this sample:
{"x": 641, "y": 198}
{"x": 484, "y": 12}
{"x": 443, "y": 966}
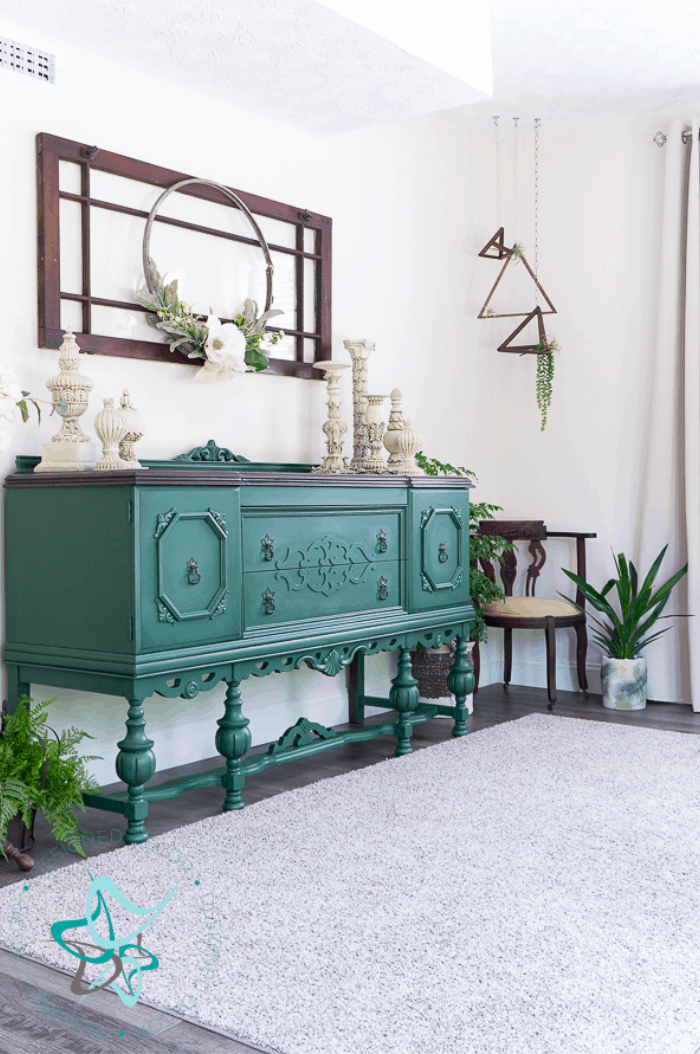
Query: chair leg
{"x": 508, "y": 649}
{"x": 581, "y": 652}
{"x": 476, "y": 665}
{"x": 550, "y": 638}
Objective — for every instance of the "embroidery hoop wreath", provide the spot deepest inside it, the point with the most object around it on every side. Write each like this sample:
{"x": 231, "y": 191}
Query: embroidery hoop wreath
{"x": 190, "y": 331}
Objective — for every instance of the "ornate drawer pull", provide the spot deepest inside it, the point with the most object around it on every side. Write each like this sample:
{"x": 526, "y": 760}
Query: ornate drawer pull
{"x": 383, "y": 588}
{"x": 442, "y": 553}
{"x": 382, "y": 542}
{"x": 269, "y": 601}
{"x": 193, "y": 575}
{"x": 267, "y": 545}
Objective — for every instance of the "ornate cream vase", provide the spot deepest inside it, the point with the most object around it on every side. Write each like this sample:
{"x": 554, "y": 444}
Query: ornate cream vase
{"x": 359, "y": 351}
{"x": 70, "y": 450}
{"x": 375, "y": 432}
{"x": 135, "y": 432}
{"x": 111, "y": 425}
{"x": 409, "y": 442}
{"x": 391, "y": 436}
{"x": 334, "y": 428}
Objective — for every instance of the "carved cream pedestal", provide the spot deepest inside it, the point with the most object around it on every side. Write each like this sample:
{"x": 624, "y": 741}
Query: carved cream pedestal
{"x": 375, "y": 432}
{"x": 70, "y": 450}
{"x": 334, "y": 428}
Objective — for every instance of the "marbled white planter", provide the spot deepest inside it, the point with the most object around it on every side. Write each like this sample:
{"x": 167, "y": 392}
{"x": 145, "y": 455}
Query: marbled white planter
{"x": 624, "y": 683}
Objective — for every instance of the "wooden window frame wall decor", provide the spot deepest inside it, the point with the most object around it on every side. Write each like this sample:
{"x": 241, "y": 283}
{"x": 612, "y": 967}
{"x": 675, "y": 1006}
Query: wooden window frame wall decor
{"x": 52, "y": 149}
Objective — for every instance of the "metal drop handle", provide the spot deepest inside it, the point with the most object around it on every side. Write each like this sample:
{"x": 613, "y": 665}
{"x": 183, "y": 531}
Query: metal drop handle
{"x": 193, "y": 575}
{"x": 443, "y": 556}
{"x": 382, "y": 542}
{"x": 269, "y": 601}
{"x": 383, "y": 589}
{"x": 267, "y": 546}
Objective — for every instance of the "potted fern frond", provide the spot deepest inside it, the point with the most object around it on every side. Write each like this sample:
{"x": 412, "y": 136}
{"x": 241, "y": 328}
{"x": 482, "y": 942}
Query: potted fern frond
{"x": 623, "y": 670}
{"x": 38, "y": 774}
{"x": 431, "y": 666}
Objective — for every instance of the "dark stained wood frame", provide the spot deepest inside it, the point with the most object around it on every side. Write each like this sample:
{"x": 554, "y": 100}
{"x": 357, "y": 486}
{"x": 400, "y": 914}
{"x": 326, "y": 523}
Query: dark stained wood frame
{"x": 535, "y": 532}
{"x": 52, "y": 149}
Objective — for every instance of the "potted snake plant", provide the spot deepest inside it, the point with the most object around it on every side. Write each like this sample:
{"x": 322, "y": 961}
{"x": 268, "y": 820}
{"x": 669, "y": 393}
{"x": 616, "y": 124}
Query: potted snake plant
{"x": 623, "y": 636}
{"x": 431, "y": 666}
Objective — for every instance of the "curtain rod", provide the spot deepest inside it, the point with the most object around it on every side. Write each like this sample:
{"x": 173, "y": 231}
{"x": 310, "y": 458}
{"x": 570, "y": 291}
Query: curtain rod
{"x": 660, "y": 138}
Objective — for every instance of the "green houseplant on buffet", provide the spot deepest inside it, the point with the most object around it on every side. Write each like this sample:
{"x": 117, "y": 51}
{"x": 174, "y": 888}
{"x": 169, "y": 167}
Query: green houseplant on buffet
{"x": 37, "y": 773}
{"x": 431, "y": 666}
{"x": 622, "y": 637}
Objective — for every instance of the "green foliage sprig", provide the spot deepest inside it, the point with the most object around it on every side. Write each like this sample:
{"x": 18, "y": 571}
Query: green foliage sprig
{"x": 623, "y": 635}
{"x": 481, "y": 546}
{"x": 22, "y": 760}
{"x": 173, "y": 316}
{"x": 545, "y": 375}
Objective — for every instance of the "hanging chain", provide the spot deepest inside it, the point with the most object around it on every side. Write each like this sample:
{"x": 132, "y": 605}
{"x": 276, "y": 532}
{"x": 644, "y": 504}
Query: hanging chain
{"x": 537, "y": 200}
{"x": 498, "y": 173}
{"x": 515, "y": 182}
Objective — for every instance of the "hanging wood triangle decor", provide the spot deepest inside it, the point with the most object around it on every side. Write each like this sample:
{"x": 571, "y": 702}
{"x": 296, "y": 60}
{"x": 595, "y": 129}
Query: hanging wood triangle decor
{"x": 496, "y": 243}
{"x": 514, "y": 314}
{"x": 525, "y": 349}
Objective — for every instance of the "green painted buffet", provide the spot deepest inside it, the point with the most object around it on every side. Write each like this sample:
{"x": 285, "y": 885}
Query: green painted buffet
{"x": 169, "y": 579}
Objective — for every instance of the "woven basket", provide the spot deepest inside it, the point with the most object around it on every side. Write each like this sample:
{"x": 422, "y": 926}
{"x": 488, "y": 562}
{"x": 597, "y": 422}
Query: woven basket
{"x": 430, "y": 668}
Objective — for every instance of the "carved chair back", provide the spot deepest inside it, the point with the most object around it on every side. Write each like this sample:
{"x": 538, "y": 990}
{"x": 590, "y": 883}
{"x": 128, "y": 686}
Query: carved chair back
{"x": 535, "y": 532}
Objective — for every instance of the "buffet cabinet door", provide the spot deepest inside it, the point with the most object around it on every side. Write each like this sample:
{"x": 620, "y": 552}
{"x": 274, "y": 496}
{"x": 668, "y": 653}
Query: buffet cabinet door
{"x": 440, "y": 550}
{"x": 190, "y": 566}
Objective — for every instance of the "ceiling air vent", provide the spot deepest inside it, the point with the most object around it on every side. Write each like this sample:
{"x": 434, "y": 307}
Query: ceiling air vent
{"x": 35, "y": 63}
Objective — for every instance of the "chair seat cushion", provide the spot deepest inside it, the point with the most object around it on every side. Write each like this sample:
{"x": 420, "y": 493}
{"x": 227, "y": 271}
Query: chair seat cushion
{"x": 530, "y": 607}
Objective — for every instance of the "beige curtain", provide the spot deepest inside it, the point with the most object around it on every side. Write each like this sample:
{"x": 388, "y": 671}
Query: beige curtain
{"x": 669, "y": 506}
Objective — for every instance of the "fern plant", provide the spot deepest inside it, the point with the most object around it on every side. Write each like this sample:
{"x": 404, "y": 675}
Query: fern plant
{"x": 481, "y": 546}
{"x": 22, "y": 761}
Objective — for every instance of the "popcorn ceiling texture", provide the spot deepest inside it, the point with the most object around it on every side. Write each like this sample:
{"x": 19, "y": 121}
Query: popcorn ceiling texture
{"x": 299, "y": 63}
{"x": 291, "y": 60}
{"x": 529, "y": 889}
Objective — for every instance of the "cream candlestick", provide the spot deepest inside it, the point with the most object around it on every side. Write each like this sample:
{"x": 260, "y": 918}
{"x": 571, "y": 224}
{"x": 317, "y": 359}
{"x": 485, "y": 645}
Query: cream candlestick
{"x": 334, "y": 428}
{"x": 359, "y": 351}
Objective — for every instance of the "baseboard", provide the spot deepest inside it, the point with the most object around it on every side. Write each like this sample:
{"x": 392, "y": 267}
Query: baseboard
{"x": 534, "y": 675}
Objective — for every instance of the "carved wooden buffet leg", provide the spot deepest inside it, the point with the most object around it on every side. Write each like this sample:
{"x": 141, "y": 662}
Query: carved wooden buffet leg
{"x": 135, "y": 765}
{"x": 356, "y": 690}
{"x": 404, "y": 697}
{"x": 460, "y": 681}
{"x": 232, "y": 741}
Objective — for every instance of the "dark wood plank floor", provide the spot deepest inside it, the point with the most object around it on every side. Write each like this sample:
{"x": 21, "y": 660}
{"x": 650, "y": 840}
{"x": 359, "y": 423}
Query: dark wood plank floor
{"x": 25, "y": 1027}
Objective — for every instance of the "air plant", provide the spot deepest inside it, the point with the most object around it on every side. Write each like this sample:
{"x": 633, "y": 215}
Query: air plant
{"x": 517, "y": 252}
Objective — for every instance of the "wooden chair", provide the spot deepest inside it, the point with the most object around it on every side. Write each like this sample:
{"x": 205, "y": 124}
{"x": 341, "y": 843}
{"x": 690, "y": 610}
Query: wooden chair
{"x": 529, "y": 611}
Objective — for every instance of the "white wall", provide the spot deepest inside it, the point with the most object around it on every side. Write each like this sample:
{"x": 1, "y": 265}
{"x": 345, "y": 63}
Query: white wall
{"x": 601, "y": 187}
{"x": 407, "y": 202}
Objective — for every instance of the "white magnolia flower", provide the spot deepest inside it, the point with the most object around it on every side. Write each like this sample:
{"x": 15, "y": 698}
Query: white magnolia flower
{"x": 8, "y": 407}
{"x": 225, "y": 344}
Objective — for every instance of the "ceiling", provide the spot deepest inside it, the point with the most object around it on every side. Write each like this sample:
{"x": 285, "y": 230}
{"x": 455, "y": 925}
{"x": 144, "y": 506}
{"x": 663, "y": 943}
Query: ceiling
{"x": 301, "y": 63}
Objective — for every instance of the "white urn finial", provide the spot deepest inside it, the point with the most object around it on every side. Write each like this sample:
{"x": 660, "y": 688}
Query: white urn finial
{"x": 70, "y": 450}
{"x": 111, "y": 425}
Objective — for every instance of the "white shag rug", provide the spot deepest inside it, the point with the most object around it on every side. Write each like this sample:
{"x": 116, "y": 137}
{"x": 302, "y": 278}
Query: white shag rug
{"x": 533, "y": 888}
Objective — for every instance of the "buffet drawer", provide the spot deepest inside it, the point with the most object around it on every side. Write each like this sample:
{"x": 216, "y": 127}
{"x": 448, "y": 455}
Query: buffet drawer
{"x": 270, "y": 597}
{"x": 276, "y": 540}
